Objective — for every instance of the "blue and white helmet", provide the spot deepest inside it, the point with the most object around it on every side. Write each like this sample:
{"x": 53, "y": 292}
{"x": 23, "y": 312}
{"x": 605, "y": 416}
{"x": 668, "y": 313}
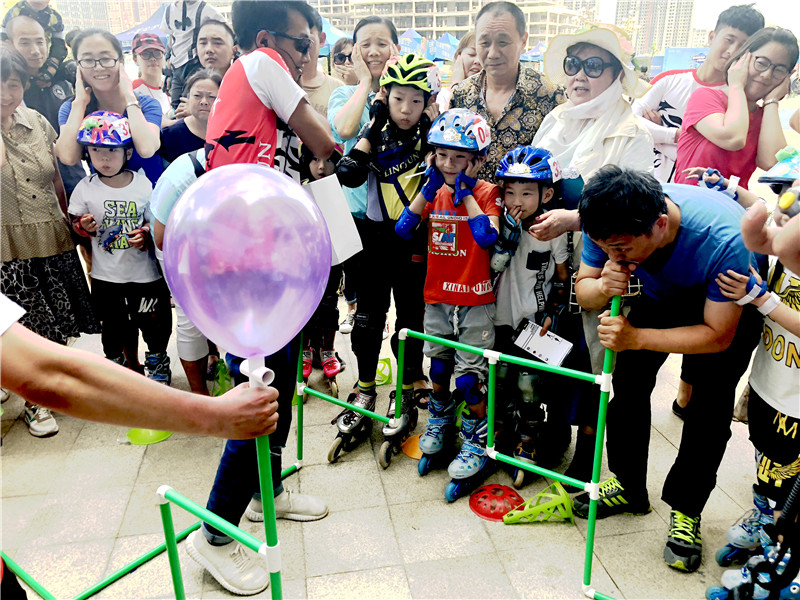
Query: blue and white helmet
{"x": 460, "y": 129}
{"x": 529, "y": 162}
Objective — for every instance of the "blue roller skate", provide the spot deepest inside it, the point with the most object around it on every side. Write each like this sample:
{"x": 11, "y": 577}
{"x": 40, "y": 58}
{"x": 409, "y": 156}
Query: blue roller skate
{"x": 744, "y": 538}
{"x": 734, "y": 580}
{"x": 469, "y": 468}
{"x": 440, "y": 431}
{"x": 393, "y": 437}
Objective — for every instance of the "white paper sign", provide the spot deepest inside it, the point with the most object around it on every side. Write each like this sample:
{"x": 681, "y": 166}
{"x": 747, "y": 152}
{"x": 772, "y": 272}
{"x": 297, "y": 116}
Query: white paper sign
{"x": 345, "y": 241}
{"x": 549, "y": 348}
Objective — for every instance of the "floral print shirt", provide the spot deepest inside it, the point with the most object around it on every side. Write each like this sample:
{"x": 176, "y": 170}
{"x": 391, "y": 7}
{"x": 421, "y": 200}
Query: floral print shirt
{"x": 521, "y": 117}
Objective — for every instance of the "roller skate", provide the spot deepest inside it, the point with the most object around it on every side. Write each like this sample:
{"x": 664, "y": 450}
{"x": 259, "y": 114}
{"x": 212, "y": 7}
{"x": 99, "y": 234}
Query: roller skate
{"x": 354, "y": 427}
{"x": 393, "y": 437}
{"x": 469, "y": 468}
{"x": 440, "y": 431}
{"x": 744, "y": 539}
{"x": 157, "y": 366}
{"x": 752, "y": 582}
{"x": 331, "y": 367}
{"x": 308, "y": 362}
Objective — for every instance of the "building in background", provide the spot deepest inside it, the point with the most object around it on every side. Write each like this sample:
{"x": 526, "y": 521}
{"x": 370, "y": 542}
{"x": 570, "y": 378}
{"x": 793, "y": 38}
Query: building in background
{"x": 657, "y": 25}
{"x": 699, "y": 38}
{"x": 433, "y": 18}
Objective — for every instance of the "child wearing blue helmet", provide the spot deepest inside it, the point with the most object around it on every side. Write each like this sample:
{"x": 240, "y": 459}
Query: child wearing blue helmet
{"x": 111, "y": 207}
{"x": 463, "y": 220}
{"x": 531, "y": 287}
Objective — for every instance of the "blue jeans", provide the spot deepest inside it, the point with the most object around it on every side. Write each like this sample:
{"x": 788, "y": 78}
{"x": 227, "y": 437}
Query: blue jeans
{"x": 237, "y": 475}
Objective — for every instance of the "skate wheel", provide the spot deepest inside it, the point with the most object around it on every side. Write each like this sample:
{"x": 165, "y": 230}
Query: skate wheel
{"x": 355, "y": 438}
{"x": 334, "y": 389}
{"x": 519, "y": 478}
{"x": 385, "y": 455}
{"x": 453, "y": 491}
{"x": 728, "y": 555}
{"x": 424, "y": 466}
{"x": 718, "y": 593}
{"x": 336, "y": 448}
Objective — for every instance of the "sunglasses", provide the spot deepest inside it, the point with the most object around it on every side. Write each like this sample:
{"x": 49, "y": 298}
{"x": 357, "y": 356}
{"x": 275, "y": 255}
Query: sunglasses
{"x": 762, "y": 64}
{"x": 592, "y": 66}
{"x": 301, "y": 44}
{"x": 150, "y": 54}
{"x": 340, "y": 58}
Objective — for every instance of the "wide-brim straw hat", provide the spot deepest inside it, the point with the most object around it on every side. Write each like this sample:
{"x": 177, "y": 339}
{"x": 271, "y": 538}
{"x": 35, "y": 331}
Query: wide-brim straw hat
{"x": 610, "y": 38}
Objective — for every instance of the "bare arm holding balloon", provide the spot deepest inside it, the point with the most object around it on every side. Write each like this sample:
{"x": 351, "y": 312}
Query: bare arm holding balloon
{"x": 90, "y": 387}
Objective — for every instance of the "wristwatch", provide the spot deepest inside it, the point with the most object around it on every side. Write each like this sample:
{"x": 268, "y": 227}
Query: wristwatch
{"x": 770, "y": 101}
{"x": 136, "y": 103}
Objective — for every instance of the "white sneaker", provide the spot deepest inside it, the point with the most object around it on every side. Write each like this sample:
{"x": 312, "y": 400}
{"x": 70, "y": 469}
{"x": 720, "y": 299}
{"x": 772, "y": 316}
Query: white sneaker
{"x": 288, "y": 505}
{"x": 346, "y": 326}
{"x": 386, "y": 330}
{"x": 39, "y": 420}
{"x": 236, "y": 568}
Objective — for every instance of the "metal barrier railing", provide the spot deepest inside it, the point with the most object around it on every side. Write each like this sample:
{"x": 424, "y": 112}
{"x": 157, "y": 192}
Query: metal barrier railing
{"x": 270, "y": 549}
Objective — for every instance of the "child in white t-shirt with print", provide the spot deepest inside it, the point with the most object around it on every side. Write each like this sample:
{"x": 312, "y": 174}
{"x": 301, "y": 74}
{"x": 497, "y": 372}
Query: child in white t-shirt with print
{"x": 531, "y": 287}
{"x": 111, "y": 207}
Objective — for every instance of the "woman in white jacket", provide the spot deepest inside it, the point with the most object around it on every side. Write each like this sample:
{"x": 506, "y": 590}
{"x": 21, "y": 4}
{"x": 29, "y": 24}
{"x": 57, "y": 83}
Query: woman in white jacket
{"x": 595, "y": 127}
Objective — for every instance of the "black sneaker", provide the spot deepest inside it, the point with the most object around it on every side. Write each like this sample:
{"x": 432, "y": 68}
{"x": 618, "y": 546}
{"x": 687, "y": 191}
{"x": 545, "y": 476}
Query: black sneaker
{"x": 678, "y": 410}
{"x": 614, "y": 500}
{"x": 684, "y": 549}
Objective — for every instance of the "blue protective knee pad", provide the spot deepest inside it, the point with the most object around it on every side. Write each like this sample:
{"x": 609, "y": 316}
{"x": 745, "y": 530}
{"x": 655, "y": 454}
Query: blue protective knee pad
{"x": 470, "y": 388}
{"x": 441, "y": 370}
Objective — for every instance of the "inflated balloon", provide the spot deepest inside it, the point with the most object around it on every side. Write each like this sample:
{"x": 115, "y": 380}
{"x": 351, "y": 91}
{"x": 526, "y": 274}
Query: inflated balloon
{"x": 247, "y": 256}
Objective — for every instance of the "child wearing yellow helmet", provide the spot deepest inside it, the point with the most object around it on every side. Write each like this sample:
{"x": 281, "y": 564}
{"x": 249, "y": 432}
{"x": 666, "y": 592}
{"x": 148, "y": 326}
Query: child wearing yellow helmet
{"x": 389, "y": 155}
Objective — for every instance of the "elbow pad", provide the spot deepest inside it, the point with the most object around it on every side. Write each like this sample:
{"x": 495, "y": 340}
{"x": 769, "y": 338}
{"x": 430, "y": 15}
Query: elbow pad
{"x": 352, "y": 170}
{"x": 485, "y": 235}
{"x": 407, "y": 223}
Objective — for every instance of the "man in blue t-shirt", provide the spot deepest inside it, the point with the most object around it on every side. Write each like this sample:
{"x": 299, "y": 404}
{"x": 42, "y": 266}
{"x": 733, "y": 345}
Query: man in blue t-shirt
{"x": 677, "y": 239}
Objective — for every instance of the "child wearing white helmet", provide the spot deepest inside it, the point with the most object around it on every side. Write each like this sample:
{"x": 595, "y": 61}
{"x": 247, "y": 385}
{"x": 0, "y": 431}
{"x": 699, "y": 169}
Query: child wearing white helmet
{"x": 110, "y": 206}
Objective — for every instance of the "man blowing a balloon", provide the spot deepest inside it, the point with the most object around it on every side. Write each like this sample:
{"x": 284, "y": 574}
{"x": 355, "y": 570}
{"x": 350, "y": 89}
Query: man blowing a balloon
{"x": 258, "y": 108}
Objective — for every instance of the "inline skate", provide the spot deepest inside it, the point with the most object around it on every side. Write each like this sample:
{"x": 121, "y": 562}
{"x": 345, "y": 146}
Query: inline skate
{"x": 744, "y": 539}
{"x": 440, "y": 432}
{"x": 353, "y": 427}
{"x": 393, "y": 437}
{"x": 471, "y": 466}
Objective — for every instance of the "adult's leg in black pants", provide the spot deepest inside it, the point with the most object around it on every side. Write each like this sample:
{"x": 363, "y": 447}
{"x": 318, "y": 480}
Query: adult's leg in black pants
{"x": 237, "y": 474}
{"x": 408, "y": 284}
{"x": 707, "y": 424}
{"x": 374, "y": 295}
{"x": 634, "y": 379}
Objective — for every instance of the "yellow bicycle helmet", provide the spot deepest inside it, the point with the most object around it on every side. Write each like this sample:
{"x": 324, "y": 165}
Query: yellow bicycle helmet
{"x": 415, "y": 71}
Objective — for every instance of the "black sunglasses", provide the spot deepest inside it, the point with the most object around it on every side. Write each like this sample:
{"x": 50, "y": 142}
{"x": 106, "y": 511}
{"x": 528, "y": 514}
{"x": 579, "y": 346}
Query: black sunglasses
{"x": 301, "y": 44}
{"x": 340, "y": 58}
{"x": 592, "y": 66}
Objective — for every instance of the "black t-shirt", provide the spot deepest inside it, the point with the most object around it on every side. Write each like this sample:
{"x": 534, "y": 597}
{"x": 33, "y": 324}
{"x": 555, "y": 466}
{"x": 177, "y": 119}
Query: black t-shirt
{"x": 176, "y": 140}
{"x": 47, "y": 101}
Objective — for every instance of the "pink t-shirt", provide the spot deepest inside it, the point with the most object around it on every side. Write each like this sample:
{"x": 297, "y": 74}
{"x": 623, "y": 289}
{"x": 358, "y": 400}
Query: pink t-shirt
{"x": 695, "y": 150}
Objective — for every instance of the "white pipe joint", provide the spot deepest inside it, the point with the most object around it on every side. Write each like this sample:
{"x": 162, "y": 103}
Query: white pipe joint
{"x": 493, "y": 356}
{"x": 402, "y": 334}
{"x": 588, "y": 591}
{"x": 593, "y": 489}
{"x": 272, "y": 554}
{"x": 604, "y": 381}
{"x": 162, "y": 493}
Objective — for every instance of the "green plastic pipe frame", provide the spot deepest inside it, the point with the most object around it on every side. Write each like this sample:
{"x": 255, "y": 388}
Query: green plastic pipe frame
{"x": 603, "y": 380}
{"x": 119, "y": 574}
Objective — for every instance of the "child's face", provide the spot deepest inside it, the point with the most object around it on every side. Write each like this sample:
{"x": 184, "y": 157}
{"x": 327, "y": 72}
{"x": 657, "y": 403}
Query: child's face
{"x": 38, "y": 4}
{"x": 107, "y": 161}
{"x": 524, "y": 196}
{"x": 452, "y": 162}
{"x": 406, "y": 105}
{"x": 320, "y": 168}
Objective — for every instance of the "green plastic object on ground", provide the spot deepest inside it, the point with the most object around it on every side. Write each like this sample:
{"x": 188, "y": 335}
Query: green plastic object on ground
{"x": 145, "y": 437}
{"x": 383, "y": 376}
{"x": 553, "y": 502}
{"x": 223, "y": 382}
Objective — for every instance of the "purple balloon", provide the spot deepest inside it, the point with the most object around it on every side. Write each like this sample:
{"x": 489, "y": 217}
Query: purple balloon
{"x": 247, "y": 255}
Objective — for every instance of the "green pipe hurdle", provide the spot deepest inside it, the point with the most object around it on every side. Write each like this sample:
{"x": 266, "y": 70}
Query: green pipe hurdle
{"x": 603, "y": 380}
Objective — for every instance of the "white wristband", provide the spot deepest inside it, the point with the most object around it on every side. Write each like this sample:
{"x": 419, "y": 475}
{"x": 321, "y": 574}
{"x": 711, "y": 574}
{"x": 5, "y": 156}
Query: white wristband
{"x": 770, "y": 304}
{"x": 733, "y": 183}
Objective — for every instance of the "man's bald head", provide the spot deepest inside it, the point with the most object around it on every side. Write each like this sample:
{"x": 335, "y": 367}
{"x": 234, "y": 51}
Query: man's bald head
{"x": 29, "y": 39}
